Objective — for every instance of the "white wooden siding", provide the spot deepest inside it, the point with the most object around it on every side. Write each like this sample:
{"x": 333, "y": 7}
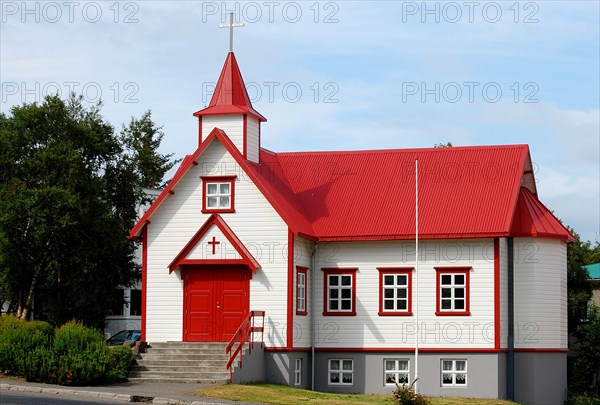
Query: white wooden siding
{"x": 540, "y": 293}
{"x": 256, "y": 224}
{"x": 303, "y": 249}
{"x": 233, "y": 125}
{"x": 252, "y": 136}
{"x": 369, "y": 330}
{"x": 223, "y": 251}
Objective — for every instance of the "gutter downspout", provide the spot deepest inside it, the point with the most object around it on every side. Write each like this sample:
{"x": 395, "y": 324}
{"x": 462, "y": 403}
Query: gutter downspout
{"x": 510, "y": 355}
{"x": 313, "y": 262}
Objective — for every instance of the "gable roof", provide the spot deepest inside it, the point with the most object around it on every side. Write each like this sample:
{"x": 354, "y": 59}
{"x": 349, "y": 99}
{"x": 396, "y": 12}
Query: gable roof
{"x": 464, "y": 192}
{"x": 230, "y": 96}
{"x": 267, "y": 176}
{"x": 216, "y": 220}
{"x": 369, "y": 195}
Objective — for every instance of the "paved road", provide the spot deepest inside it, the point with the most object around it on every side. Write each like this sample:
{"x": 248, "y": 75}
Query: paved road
{"x": 29, "y": 398}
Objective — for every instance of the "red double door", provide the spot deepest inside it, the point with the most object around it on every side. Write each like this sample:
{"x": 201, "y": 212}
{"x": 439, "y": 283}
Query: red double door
{"x": 216, "y": 301}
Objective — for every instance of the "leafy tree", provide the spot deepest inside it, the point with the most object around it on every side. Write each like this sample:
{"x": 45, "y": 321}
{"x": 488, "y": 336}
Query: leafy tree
{"x": 587, "y": 362}
{"x": 68, "y": 195}
{"x": 579, "y": 254}
{"x": 443, "y": 145}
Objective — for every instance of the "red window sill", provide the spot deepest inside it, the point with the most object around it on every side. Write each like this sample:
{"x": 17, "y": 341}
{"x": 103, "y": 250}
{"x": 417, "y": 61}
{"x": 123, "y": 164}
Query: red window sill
{"x": 453, "y": 313}
{"x": 329, "y": 313}
{"x": 302, "y": 313}
{"x": 218, "y": 211}
{"x": 395, "y": 313}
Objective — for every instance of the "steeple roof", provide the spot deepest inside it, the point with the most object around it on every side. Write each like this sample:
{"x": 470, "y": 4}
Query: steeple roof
{"x": 230, "y": 96}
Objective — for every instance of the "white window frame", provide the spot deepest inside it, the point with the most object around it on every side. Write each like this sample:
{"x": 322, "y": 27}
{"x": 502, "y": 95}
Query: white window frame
{"x": 340, "y": 289}
{"x": 219, "y": 195}
{"x": 298, "y": 372}
{"x": 340, "y": 371}
{"x": 301, "y": 292}
{"x": 396, "y": 371}
{"x": 453, "y": 372}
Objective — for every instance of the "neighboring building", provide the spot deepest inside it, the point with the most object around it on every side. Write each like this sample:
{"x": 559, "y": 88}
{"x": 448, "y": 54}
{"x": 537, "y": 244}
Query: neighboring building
{"x": 328, "y": 239}
{"x": 129, "y": 314}
{"x": 594, "y": 272}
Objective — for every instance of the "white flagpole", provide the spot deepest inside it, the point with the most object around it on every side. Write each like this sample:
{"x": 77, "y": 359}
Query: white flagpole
{"x": 417, "y": 273}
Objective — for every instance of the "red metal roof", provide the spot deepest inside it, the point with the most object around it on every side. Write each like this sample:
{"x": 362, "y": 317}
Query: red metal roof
{"x": 532, "y": 218}
{"x": 230, "y": 96}
{"x": 463, "y": 191}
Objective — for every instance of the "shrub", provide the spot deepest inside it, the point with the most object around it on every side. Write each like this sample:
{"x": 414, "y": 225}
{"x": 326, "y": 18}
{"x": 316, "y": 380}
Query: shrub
{"x": 406, "y": 395}
{"x": 583, "y": 399}
{"x": 121, "y": 358}
{"x": 18, "y": 340}
{"x": 82, "y": 355}
{"x": 71, "y": 355}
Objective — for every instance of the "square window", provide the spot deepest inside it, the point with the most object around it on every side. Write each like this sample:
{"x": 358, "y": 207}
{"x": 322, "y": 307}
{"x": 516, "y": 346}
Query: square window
{"x": 454, "y": 373}
{"x": 218, "y": 194}
{"x": 396, "y": 371}
{"x": 341, "y": 371}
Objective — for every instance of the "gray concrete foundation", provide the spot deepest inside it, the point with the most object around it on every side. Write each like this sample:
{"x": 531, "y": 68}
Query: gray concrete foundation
{"x": 540, "y": 378}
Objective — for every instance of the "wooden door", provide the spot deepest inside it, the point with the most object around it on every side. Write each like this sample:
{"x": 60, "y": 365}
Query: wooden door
{"x": 216, "y": 301}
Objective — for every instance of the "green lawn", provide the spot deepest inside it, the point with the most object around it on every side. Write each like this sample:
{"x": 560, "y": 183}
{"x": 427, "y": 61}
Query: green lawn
{"x": 283, "y": 395}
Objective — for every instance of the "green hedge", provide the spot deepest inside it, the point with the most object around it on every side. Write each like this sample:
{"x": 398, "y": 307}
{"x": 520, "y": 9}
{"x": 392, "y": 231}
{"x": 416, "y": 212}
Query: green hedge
{"x": 72, "y": 354}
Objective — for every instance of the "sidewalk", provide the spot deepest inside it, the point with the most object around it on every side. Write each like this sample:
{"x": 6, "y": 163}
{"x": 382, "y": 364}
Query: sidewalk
{"x": 156, "y": 393}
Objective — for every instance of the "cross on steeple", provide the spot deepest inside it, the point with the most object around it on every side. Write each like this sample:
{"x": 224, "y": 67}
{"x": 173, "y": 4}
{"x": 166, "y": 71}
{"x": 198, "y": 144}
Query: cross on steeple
{"x": 231, "y": 26}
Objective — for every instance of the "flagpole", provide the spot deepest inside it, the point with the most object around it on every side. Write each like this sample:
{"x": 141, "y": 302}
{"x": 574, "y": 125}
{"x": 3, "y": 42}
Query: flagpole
{"x": 417, "y": 273}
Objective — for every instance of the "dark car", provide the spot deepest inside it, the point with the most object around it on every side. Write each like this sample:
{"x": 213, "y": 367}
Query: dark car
{"x": 120, "y": 337}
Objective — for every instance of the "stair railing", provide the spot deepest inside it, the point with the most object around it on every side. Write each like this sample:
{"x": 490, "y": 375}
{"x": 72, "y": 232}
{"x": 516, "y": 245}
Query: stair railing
{"x": 244, "y": 334}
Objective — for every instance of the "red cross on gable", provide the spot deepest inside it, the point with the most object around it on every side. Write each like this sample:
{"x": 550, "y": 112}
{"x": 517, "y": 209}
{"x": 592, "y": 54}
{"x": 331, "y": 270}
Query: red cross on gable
{"x": 214, "y": 244}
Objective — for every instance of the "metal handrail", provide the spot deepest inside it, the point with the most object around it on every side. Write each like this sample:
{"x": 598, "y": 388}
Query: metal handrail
{"x": 244, "y": 334}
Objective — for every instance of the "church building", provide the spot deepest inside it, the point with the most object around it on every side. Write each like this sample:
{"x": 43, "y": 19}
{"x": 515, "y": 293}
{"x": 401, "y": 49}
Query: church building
{"x": 322, "y": 247}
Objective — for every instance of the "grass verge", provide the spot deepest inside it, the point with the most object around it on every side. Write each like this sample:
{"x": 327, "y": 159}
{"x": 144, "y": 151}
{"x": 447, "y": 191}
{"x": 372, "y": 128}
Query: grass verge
{"x": 274, "y": 394}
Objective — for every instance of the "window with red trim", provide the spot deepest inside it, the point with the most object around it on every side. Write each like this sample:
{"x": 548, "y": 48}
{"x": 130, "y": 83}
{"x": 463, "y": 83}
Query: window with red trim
{"x": 339, "y": 298}
{"x": 301, "y": 284}
{"x": 218, "y": 194}
{"x": 395, "y": 291}
{"x": 452, "y": 295}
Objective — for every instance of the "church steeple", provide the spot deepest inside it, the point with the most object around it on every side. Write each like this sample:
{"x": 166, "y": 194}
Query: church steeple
{"x": 230, "y": 96}
{"x": 230, "y": 108}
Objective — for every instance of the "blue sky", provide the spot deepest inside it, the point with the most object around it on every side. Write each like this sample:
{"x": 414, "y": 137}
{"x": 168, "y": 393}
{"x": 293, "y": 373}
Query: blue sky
{"x": 338, "y": 75}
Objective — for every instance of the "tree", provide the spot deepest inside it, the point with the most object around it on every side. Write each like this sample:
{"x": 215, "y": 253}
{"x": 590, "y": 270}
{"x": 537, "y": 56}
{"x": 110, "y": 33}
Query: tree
{"x": 443, "y": 145}
{"x": 141, "y": 139}
{"x": 68, "y": 196}
{"x": 579, "y": 254}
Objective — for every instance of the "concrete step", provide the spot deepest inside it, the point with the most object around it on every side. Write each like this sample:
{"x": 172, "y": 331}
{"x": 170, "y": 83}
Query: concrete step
{"x": 189, "y": 368}
{"x": 206, "y": 375}
{"x": 195, "y": 357}
{"x": 174, "y": 351}
{"x": 188, "y": 345}
{"x": 183, "y": 362}
{"x": 177, "y": 380}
